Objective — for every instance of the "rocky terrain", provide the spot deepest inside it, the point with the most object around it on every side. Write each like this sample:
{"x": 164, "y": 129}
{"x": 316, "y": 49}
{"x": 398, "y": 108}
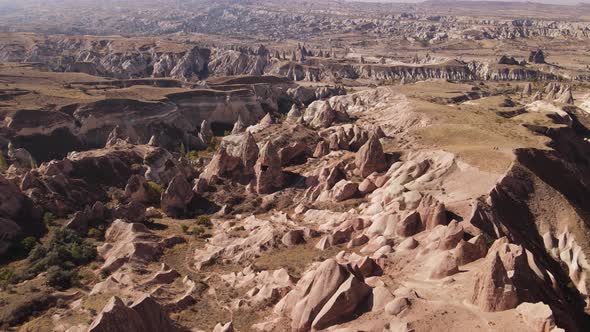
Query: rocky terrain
{"x": 262, "y": 166}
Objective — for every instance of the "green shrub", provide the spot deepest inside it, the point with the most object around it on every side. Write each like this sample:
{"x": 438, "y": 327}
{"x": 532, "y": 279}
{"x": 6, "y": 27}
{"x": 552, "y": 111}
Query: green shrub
{"x": 184, "y": 229}
{"x": 60, "y": 278}
{"x": 3, "y": 163}
{"x": 95, "y": 233}
{"x": 204, "y": 220}
{"x": 48, "y": 218}
{"x": 6, "y": 273}
{"x": 198, "y": 231}
{"x": 64, "y": 251}
{"x": 193, "y": 155}
{"x": 154, "y": 192}
{"x": 28, "y": 243}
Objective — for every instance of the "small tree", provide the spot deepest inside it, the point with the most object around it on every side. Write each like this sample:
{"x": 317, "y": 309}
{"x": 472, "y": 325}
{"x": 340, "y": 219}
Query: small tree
{"x": 182, "y": 149}
{"x": 3, "y": 163}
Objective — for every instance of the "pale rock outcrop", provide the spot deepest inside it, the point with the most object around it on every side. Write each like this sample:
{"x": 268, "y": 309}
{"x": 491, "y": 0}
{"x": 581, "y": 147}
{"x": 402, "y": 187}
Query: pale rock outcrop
{"x": 407, "y": 244}
{"x": 205, "y": 132}
{"x": 176, "y": 197}
{"x": 268, "y": 170}
{"x": 370, "y": 158}
{"x": 566, "y": 96}
{"x": 443, "y": 265}
{"x": 409, "y": 225}
{"x": 343, "y": 303}
{"x": 144, "y": 315}
{"x": 323, "y": 297}
{"x": 239, "y": 126}
{"x": 20, "y": 158}
{"x": 432, "y": 212}
{"x": 294, "y": 113}
{"x": 319, "y": 114}
{"x": 469, "y": 251}
{"x": 367, "y": 186}
{"x": 537, "y": 315}
{"x": 116, "y": 137}
{"x": 137, "y": 189}
{"x": 321, "y": 149}
{"x": 266, "y": 121}
{"x": 493, "y": 290}
{"x": 398, "y": 305}
{"x": 344, "y": 190}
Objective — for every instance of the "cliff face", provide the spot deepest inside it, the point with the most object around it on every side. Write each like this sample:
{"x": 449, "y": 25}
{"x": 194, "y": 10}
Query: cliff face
{"x": 172, "y": 120}
{"x": 451, "y": 69}
{"x": 108, "y": 58}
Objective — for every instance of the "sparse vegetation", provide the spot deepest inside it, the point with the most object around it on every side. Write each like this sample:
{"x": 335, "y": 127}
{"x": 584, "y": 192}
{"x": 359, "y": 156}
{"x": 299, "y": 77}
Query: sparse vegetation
{"x": 154, "y": 192}
{"x": 60, "y": 256}
{"x": 204, "y": 220}
{"x": 192, "y": 155}
{"x": 48, "y": 218}
{"x": 3, "y": 163}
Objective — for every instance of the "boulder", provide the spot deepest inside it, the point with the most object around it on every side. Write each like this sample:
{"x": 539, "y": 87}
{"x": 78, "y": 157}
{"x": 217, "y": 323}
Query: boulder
{"x": 493, "y": 290}
{"x": 137, "y": 189}
{"x": 409, "y": 225}
{"x": 432, "y": 212}
{"x": 370, "y": 158}
{"x": 343, "y": 304}
{"x": 269, "y": 174}
{"x": 469, "y": 251}
{"x": 396, "y": 306}
{"x": 367, "y": 186}
{"x": 443, "y": 265}
{"x": 314, "y": 290}
{"x": 176, "y": 197}
{"x": 451, "y": 236}
{"x": 344, "y": 190}
{"x": 537, "y": 315}
{"x": 321, "y": 149}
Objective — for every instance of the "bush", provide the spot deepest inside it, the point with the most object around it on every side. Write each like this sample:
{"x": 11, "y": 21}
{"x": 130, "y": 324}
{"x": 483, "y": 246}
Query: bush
{"x": 95, "y": 233}
{"x": 154, "y": 192}
{"x": 3, "y": 163}
{"x": 198, "y": 231}
{"x": 193, "y": 155}
{"x": 184, "y": 229}
{"x": 6, "y": 273}
{"x": 204, "y": 220}
{"x": 64, "y": 251}
{"x": 60, "y": 278}
{"x": 48, "y": 218}
{"x": 28, "y": 243}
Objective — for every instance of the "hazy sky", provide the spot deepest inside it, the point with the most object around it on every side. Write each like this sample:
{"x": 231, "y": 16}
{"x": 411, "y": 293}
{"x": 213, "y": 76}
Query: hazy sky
{"x": 559, "y": 2}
